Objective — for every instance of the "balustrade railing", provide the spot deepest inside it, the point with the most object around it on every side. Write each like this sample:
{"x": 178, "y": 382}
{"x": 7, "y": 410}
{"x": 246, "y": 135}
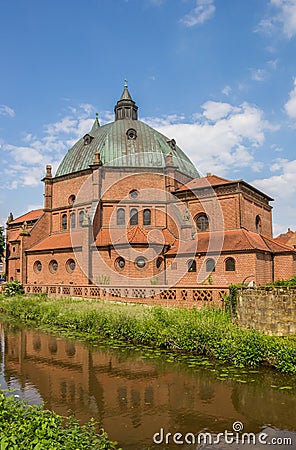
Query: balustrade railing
{"x": 162, "y": 295}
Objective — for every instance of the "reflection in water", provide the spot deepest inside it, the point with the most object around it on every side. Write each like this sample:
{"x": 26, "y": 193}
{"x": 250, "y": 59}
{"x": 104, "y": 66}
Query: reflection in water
{"x": 133, "y": 398}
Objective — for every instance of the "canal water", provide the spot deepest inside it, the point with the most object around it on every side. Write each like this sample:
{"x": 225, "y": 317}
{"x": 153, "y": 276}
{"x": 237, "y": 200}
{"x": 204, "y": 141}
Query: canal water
{"x": 147, "y": 399}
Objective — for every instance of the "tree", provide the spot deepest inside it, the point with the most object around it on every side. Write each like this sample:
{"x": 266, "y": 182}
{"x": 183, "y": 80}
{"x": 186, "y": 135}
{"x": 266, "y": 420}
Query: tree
{"x": 2, "y": 242}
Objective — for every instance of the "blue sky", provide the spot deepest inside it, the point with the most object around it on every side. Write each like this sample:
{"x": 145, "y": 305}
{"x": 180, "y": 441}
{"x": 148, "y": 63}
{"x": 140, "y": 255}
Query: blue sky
{"x": 219, "y": 76}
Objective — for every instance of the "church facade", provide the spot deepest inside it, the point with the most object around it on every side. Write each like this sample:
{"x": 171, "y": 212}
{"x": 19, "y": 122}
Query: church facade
{"x": 127, "y": 207}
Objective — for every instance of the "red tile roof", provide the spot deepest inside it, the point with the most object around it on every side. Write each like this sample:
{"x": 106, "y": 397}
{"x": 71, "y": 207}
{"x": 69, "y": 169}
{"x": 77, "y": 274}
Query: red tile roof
{"x": 210, "y": 180}
{"x": 134, "y": 235}
{"x": 229, "y": 241}
{"x": 32, "y": 215}
{"x": 288, "y": 238}
{"x": 58, "y": 241}
{"x": 13, "y": 235}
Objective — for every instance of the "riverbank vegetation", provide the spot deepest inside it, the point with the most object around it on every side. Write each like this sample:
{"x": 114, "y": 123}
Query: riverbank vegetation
{"x": 26, "y": 427}
{"x": 208, "y": 332}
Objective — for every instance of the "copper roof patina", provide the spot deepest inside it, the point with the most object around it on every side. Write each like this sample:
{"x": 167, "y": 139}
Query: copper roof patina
{"x": 126, "y": 142}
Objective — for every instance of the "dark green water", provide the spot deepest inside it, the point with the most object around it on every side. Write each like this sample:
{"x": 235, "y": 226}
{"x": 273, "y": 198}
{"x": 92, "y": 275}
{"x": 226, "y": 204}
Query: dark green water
{"x": 141, "y": 395}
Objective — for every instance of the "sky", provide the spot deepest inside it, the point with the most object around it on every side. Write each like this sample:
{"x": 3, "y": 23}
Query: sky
{"x": 218, "y": 76}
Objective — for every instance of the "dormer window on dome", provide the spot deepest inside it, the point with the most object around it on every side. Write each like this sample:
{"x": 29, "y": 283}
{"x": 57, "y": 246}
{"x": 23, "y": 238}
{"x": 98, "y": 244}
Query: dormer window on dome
{"x": 87, "y": 138}
{"x": 131, "y": 134}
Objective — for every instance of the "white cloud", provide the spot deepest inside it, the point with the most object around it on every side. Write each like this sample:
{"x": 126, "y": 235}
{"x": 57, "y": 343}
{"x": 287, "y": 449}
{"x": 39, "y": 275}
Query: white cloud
{"x": 6, "y": 111}
{"x": 222, "y": 139}
{"x": 217, "y": 110}
{"x": 284, "y": 16}
{"x": 281, "y": 186}
{"x": 25, "y": 164}
{"x": 290, "y": 106}
{"x": 258, "y": 74}
{"x": 226, "y": 90}
{"x": 203, "y": 11}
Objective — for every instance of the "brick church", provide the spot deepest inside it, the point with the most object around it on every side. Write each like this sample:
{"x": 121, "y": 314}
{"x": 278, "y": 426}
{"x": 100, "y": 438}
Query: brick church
{"x": 127, "y": 207}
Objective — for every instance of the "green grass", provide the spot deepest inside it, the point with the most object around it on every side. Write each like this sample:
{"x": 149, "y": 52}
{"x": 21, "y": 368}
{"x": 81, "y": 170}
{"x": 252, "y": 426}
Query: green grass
{"x": 25, "y": 427}
{"x": 207, "y": 332}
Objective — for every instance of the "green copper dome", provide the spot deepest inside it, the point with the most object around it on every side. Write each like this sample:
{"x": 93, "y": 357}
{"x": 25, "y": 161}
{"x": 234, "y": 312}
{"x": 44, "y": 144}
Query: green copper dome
{"x": 126, "y": 142}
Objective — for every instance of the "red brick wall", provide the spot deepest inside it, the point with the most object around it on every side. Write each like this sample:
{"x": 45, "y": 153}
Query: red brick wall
{"x": 250, "y": 209}
{"x": 62, "y": 189}
{"x": 60, "y": 276}
{"x": 284, "y": 267}
{"x": 245, "y": 264}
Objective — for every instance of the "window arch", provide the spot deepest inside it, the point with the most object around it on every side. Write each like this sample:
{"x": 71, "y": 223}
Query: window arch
{"x": 210, "y": 265}
{"x": 134, "y": 216}
{"x": 147, "y": 217}
{"x": 81, "y": 218}
{"x": 202, "y": 222}
{"x": 191, "y": 265}
{"x": 258, "y": 224}
{"x": 230, "y": 265}
{"x": 120, "y": 216}
{"x": 73, "y": 220}
{"x": 64, "y": 221}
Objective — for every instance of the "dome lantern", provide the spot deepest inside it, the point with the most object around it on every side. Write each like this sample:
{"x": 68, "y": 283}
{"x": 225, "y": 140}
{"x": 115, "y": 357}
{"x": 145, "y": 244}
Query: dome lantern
{"x": 126, "y": 108}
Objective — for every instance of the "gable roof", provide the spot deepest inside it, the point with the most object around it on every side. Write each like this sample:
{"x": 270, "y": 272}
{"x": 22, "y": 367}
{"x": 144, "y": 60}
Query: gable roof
{"x": 135, "y": 235}
{"x": 29, "y": 216}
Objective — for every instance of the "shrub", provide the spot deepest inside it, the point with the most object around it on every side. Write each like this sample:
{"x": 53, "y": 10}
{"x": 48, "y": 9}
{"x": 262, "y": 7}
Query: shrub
{"x": 12, "y": 288}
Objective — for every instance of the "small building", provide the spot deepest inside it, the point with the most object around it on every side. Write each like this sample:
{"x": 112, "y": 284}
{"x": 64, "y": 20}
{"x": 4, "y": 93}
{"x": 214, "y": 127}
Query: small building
{"x": 127, "y": 207}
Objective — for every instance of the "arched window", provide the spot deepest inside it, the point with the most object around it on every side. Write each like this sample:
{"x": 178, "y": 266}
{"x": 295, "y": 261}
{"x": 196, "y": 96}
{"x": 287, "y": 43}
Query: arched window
{"x": 210, "y": 265}
{"x": 120, "y": 216}
{"x": 158, "y": 263}
{"x": 147, "y": 217}
{"x": 81, "y": 218}
{"x": 64, "y": 221}
{"x": 73, "y": 220}
{"x": 191, "y": 265}
{"x": 202, "y": 222}
{"x": 134, "y": 216}
{"x": 230, "y": 265}
{"x": 258, "y": 224}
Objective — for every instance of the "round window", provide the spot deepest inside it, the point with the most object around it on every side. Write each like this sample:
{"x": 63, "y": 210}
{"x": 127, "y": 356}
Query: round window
{"x": 70, "y": 265}
{"x": 134, "y": 193}
{"x": 120, "y": 263}
{"x": 141, "y": 262}
{"x": 37, "y": 266}
{"x": 53, "y": 266}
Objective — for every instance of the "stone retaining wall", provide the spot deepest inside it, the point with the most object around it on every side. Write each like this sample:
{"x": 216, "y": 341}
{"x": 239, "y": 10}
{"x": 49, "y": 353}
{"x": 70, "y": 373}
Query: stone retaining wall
{"x": 271, "y": 310}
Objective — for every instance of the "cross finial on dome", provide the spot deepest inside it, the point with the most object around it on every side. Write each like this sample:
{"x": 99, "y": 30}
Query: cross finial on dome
{"x": 125, "y": 83}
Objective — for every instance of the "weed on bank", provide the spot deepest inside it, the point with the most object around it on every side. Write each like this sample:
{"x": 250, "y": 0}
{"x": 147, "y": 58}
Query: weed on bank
{"x": 208, "y": 332}
{"x": 26, "y": 427}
